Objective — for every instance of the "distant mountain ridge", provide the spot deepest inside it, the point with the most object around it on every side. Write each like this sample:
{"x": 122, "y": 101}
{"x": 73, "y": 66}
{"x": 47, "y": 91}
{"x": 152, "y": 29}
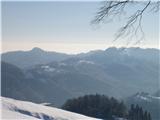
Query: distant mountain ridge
{"x": 25, "y": 59}
{"x": 118, "y": 72}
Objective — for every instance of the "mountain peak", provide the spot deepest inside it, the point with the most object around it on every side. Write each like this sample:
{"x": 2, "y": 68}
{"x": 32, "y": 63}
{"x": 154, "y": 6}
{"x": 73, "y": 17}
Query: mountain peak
{"x": 36, "y": 49}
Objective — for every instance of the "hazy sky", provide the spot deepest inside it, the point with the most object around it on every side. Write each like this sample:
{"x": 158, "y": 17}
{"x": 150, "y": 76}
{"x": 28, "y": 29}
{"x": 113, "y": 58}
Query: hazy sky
{"x": 63, "y": 27}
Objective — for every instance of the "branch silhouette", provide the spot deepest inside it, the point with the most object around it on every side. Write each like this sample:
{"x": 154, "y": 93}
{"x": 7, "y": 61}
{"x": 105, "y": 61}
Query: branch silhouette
{"x": 110, "y": 10}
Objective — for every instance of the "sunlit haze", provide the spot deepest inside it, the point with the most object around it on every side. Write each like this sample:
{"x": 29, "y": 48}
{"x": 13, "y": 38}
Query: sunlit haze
{"x": 64, "y": 27}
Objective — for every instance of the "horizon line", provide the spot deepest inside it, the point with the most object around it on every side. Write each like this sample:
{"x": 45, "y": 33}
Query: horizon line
{"x": 80, "y": 52}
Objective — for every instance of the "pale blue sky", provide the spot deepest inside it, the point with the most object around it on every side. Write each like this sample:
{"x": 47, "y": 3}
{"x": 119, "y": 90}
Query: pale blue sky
{"x": 63, "y": 27}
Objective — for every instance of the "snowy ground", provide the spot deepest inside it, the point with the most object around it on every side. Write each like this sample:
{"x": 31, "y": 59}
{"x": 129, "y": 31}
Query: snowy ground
{"x": 22, "y": 110}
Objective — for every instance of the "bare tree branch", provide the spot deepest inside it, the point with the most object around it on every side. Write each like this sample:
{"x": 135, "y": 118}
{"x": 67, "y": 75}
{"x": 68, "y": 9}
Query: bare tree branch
{"x": 133, "y": 27}
{"x": 137, "y": 16}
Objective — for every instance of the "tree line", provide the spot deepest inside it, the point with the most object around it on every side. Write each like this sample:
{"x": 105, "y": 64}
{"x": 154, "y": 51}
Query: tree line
{"x": 101, "y": 106}
{"x": 137, "y": 113}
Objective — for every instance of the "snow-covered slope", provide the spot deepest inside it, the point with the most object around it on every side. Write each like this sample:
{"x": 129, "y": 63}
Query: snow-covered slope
{"x": 145, "y": 97}
{"x": 18, "y": 110}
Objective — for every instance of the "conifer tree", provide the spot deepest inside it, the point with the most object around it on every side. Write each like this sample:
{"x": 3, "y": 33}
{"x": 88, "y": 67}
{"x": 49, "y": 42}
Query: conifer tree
{"x": 137, "y": 113}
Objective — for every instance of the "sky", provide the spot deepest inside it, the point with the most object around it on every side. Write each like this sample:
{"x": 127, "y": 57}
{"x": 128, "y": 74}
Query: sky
{"x": 64, "y": 27}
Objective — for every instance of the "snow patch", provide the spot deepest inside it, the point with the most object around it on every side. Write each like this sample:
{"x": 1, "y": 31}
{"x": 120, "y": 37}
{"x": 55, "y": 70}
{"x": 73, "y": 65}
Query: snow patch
{"x": 86, "y": 62}
{"x": 48, "y": 68}
{"x": 146, "y": 97}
